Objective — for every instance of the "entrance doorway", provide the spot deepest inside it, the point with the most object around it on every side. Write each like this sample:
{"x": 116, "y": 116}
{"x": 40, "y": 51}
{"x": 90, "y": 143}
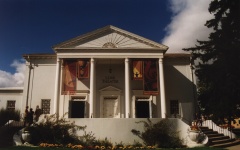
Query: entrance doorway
{"x": 111, "y": 107}
{"x": 142, "y": 109}
{"x": 76, "y": 109}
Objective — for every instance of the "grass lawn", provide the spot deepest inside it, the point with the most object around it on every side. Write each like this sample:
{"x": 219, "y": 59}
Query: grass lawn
{"x": 41, "y": 148}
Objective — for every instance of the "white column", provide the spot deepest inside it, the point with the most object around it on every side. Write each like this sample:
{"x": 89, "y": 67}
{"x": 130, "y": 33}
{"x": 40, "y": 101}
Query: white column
{"x": 162, "y": 89}
{"x": 150, "y": 108}
{"x": 127, "y": 88}
{"x": 92, "y": 85}
{"x": 56, "y": 92}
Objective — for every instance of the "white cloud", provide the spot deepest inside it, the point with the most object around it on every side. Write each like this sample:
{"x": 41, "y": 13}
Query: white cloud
{"x": 187, "y": 25}
{"x": 13, "y": 80}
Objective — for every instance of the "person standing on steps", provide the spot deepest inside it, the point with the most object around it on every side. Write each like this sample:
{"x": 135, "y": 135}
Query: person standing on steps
{"x": 26, "y": 114}
{"x": 37, "y": 113}
{"x": 31, "y": 116}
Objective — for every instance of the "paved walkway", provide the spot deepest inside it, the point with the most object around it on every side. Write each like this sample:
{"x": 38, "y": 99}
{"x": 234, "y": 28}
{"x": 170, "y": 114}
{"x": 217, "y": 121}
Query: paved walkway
{"x": 237, "y": 147}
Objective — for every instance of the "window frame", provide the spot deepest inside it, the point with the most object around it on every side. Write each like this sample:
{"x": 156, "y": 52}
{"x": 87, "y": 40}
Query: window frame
{"x": 9, "y": 107}
{"x": 174, "y": 107}
{"x": 43, "y": 106}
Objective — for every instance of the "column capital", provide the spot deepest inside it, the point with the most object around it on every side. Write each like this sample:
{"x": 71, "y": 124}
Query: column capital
{"x": 58, "y": 60}
{"x": 160, "y": 60}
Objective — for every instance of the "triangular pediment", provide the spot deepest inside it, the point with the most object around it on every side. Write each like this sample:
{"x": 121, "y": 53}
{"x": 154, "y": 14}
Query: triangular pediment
{"x": 110, "y": 88}
{"x": 109, "y": 37}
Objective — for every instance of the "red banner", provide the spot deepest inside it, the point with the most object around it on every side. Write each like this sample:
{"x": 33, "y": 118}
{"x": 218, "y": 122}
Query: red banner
{"x": 137, "y": 69}
{"x": 69, "y": 77}
{"x": 83, "y": 69}
{"x": 150, "y": 77}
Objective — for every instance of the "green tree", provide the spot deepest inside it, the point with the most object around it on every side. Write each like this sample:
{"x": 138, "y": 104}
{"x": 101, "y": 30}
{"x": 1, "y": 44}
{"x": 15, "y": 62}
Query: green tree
{"x": 218, "y": 70}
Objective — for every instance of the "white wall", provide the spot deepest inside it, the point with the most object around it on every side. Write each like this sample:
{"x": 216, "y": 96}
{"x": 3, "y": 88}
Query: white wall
{"x": 177, "y": 75}
{"x": 119, "y": 130}
{"x": 42, "y": 82}
{"x": 179, "y": 86}
{"x": 11, "y": 94}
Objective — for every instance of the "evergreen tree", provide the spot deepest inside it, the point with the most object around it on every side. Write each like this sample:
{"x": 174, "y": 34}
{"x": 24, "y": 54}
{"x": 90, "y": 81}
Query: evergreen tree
{"x": 218, "y": 70}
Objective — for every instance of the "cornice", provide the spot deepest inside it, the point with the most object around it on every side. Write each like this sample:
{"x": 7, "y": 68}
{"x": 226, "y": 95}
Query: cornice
{"x": 177, "y": 55}
{"x": 39, "y": 56}
{"x": 12, "y": 89}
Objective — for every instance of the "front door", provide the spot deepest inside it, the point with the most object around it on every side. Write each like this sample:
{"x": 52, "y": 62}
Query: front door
{"x": 111, "y": 107}
{"x": 76, "y": 109}
{"x": 142, "y": 109}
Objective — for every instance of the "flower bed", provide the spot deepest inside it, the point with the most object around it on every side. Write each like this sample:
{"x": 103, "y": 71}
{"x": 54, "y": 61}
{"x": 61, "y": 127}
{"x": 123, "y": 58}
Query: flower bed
{"x": 97, "y": 147}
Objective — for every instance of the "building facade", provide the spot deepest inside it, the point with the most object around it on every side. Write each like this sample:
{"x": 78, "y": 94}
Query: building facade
{"x": 110, "y": 73}
{"x": 102, "y": 77}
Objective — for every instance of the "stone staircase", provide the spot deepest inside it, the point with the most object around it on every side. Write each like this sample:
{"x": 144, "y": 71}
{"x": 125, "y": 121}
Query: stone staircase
{"x": 216, "y": 139}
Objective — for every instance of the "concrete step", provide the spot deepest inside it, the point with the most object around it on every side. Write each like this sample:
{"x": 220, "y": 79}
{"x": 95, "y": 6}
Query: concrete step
{"x": 203, "y": 130}
{"x": 210, "y": 132}
{"x": 228, "y": 144}
{"x": 203, "y": 127}
{"x": 218, "y": 138}
{"x": 221, "y": 141}
{"x": 214, "y": 135}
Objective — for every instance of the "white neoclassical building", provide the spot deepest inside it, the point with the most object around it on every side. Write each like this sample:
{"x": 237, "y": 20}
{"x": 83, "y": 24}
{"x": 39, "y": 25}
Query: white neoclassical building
{"x": 107, "y": 73}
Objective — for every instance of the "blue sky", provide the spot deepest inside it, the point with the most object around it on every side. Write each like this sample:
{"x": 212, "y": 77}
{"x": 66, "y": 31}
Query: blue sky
{"x": 34, "y": 26}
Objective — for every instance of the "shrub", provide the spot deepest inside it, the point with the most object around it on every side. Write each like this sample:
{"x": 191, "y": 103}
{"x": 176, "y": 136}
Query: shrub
{"x": 87, "y": 139}
{"x": 54, "y": 130}
{"x": 160, "y": 134}
{"x": 105, "y": 143}
{"x": 6, "y": 115}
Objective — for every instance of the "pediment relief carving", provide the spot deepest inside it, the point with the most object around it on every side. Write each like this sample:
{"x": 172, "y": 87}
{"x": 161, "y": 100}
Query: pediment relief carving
{"x": 114, "y": 40}
{"x": 109, "y": 37}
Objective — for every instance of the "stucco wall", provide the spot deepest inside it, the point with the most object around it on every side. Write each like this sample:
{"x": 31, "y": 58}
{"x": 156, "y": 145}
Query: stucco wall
{"x": 119, "y": 130}
{"x": 179, "y": 86}
{"x": 11, "y": 94}
{"x": 41, "y": 83}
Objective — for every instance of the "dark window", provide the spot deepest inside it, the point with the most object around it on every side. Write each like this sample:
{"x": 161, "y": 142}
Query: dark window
{"x": 174, "y": 107}
{"x": 11, "y": 105}
{"x": 46, "y": 106}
